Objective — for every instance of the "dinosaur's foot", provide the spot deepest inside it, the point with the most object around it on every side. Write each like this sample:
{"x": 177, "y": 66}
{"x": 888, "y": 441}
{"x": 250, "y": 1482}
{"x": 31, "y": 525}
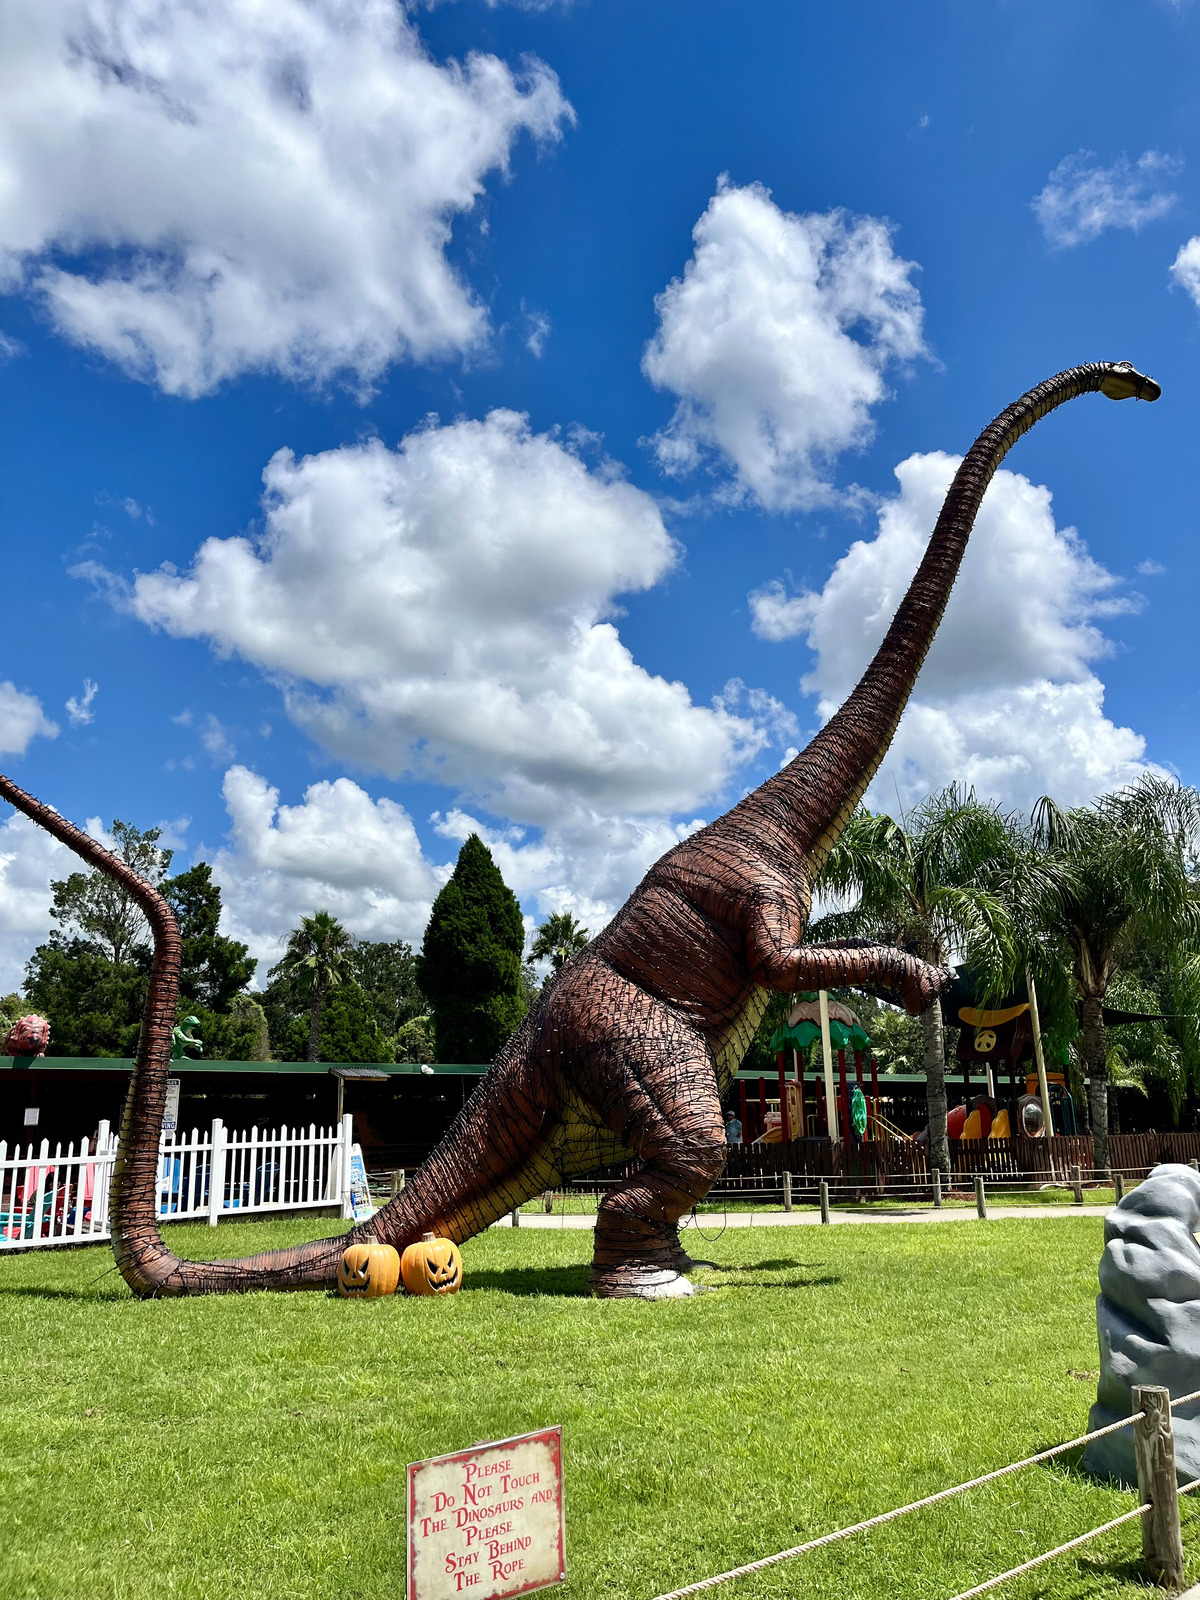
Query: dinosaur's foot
{"x": 639, "y": 1282}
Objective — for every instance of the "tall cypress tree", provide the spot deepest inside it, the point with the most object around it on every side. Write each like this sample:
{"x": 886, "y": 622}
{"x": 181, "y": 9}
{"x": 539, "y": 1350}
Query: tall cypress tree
{"x": 469, "y": 967}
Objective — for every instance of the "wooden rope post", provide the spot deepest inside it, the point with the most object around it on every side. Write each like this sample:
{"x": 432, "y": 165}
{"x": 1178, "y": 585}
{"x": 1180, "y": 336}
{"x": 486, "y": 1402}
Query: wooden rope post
{"x": 1154, "y": 1452}
{"x": 980, "y": 1198}
{"x": 937, "y": 1188}
{"x": 1119, "y": 1187}
{"x": 787, "y": 1191}
{"x": 516, "y": 1216}
{"x": 824, "y": 1200}
{"x": 1077, "y": 1182}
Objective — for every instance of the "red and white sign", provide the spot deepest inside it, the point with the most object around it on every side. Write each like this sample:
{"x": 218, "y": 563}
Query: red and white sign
{"x": 487, "y": 1522}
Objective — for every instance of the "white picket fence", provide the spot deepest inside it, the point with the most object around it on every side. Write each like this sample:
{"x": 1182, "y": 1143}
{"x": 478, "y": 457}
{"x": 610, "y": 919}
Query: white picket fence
{"x": 58, "y": 1198}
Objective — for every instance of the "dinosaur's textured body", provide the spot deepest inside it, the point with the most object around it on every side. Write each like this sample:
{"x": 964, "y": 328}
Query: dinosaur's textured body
{"x": 626, "y": 1054}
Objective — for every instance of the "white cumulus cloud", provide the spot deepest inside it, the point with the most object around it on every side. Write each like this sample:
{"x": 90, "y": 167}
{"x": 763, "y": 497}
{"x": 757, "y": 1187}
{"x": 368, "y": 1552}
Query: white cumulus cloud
{"x": 443, "y": 610}
{"x": 1082, "y": 198}
{"x": 29, "y": 858}
{"x": 79, "y": 707}
{"x": 337, "y": 850}
{"x": 775, "y": 341}
{"x": 21, "y": 720}
{"x": 340, "y": 850}
{"x": 1007, "y": 699}
{"x": 1185, "y": 269}
{"x": 203, "y": 189}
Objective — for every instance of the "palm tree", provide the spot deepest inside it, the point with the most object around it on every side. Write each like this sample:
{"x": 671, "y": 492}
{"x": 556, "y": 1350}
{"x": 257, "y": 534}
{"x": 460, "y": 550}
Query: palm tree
{"x": 1123, "y": 885}
{"x": 924, "y": 885}
{"x": 558, "y": 939}
{"x": 317, "y": 959}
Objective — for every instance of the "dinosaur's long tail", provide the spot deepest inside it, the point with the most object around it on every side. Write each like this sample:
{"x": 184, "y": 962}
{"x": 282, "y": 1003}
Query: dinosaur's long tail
{"x": 494, "y": 1157}
{"x": 500, "y": 1151}
{"x": 816, "y": 794}
{"x": 145, "y": 1262}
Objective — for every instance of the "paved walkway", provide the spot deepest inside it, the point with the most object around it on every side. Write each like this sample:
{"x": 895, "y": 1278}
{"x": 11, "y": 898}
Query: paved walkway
{"x": 812, "y": 1219}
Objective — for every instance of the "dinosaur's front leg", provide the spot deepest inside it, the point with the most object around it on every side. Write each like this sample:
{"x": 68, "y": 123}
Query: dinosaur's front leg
{"x": 878, "y": 969}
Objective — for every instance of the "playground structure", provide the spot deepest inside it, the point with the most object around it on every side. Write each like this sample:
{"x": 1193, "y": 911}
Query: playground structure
{"x": 793, "y": 1113}
{"x": 625, "y": 1056}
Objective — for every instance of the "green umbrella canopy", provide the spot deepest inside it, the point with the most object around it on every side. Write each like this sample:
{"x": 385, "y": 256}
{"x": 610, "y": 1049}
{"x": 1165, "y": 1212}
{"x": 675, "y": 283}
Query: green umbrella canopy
{"x": 803, "y": 1028}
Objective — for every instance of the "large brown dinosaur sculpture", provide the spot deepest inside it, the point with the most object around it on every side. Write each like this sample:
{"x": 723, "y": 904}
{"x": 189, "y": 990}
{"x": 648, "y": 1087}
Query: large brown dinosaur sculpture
{"x": 626, "y": 1055}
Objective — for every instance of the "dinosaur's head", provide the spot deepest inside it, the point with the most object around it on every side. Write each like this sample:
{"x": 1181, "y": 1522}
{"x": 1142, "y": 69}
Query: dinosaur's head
{"x": 1123, "y": 381}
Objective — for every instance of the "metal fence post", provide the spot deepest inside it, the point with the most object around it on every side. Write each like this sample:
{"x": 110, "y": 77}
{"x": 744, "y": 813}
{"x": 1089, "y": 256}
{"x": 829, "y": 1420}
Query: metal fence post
{"x": 1077, "y": 1182}
{"x": 216, "y": 1172}
{"x": 824, "y": 1200}
{"x": 980, "y": 1198}
{"x": 937, "y": 1188}
{"x": 1154, "y": 1451}
{"x": 787, "y": 1191}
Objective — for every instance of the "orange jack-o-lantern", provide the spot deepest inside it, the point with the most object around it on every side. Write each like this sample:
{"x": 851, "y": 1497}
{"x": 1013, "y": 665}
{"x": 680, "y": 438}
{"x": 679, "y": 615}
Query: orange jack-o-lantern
{"x": 432, "y": 1267}
{"x": 368, "y": 1271}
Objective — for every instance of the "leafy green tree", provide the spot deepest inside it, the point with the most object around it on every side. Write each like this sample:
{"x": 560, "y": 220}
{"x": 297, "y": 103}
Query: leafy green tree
{"x": 924, "y": 885}
{"x": 93, "y": 1004}
{"x": 215, "y": 968}
{"x": 350, "y": 1030}
{"x": 91, "y": 906}
{"x": 1121, "y": 885}
{"x": 387, "y": 975}
{"x": 558, "y": 939}
{"x": 318, "y": 958}
{"x": 414, "y": 1040}
{"x": 470, "y": 967}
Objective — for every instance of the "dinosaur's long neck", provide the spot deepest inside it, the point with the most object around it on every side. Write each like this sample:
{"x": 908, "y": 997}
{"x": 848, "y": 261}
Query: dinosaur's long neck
{"x": 818, "y": 791}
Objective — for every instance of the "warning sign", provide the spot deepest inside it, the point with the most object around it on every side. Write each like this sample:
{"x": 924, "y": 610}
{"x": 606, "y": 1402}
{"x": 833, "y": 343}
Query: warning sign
{"x": 487, "y": 1521}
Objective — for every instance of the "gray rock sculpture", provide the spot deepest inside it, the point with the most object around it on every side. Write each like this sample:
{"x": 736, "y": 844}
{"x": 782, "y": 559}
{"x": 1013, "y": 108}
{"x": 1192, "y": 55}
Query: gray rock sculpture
{"x": 1148, "y": 1318}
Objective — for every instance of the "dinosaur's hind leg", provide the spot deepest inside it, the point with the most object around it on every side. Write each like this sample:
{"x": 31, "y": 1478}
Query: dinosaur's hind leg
{"x": 653, "y": 1079}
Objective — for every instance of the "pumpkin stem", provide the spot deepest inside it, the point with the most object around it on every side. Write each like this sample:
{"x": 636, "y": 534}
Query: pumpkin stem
{"x": 428, "y": 1238}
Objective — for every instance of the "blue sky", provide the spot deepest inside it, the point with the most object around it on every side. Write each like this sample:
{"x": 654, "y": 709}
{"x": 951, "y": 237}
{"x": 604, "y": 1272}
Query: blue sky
{"x": 606, "y": 364}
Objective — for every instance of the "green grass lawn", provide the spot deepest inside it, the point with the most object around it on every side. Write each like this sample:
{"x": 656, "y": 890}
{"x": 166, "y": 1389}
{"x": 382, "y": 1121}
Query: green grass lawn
{"x": 257, "y": 1446}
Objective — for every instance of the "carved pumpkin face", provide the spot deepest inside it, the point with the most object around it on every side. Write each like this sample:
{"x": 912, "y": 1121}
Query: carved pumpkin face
{"x": 432, "y": 1267}
{"x": 367, "y": 1271}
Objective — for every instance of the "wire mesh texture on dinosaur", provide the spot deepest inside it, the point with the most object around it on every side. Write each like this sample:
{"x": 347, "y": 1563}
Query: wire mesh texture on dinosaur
{"x": 624, "y": 1057}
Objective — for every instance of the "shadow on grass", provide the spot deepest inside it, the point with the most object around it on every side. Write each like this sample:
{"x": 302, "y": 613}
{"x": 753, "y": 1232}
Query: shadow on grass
{"x": 565, "y": 1282}
{"x": 774, "y": 1266}
{"x": 1129, "y": 1571}
{"x": 775, "y": 1283}
{"x": 32, "y": 1291}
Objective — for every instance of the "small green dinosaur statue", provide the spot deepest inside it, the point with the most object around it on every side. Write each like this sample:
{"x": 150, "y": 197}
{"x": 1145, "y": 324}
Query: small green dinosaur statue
{"x": 182, "y": 1041}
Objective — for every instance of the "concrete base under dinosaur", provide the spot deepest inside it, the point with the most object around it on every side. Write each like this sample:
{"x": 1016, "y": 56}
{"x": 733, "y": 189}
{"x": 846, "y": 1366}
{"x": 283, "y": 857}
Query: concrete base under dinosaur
{"x": 1148, "y": 1318}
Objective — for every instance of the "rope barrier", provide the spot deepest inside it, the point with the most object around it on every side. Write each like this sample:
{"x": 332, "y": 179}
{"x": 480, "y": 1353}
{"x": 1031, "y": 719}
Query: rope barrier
{"x": 1071, "y": 1544}
{"x": 901, "y": 1511}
